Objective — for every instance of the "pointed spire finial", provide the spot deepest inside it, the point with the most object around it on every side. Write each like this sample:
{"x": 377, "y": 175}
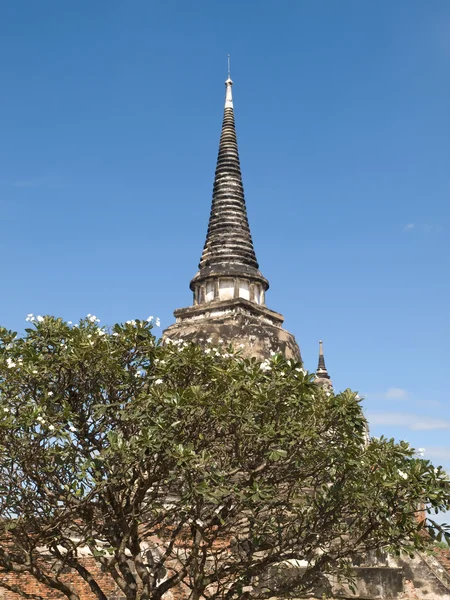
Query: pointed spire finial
{"x": 229, "y": 83}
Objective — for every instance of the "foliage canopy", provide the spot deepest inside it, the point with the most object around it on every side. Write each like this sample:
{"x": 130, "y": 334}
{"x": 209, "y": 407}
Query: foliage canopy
{"x": 175, "y": 465}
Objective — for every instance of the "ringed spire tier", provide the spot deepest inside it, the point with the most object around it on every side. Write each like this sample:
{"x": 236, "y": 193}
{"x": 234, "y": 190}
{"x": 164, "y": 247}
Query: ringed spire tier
{"x": 228, "y": 290}
{"x": 228, "y": 251}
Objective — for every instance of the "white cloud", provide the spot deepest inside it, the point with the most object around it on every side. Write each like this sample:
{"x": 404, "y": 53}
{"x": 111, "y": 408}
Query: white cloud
{"x": 422, "y": 228}
{"x": 428, "y": 403}
{"x": 408, "y": 420}
{"x": 439, "y": 452}
{"x": 392, "y": 393}
{"x": 396, "y": 394}
{"x": 432, "y": 228}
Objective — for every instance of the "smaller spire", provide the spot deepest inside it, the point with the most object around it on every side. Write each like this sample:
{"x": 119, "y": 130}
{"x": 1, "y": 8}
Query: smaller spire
{"x": 321, "y": 372}
{"x": 229, "y": 83}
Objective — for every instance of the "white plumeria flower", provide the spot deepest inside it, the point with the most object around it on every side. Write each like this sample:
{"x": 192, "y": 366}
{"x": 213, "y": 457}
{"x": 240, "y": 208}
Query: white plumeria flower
{"x": 265, "y": 366}
{"x": 220, "y": 341}
{"x": 115, "y": 334}
{"x": 50, "y": 394}
{"x": 72, "y": 428}
{"x": 39, "y": 318}
{"x": 207, "y": 350}
{"x": 101, "y": 333}
{"x": 34, "y": 371}
{"x": 69, "y": 322}
{"x": 92, "y": 318}
{"x": 6, "y": 410}
{"x": 30, "y": 315}
{"x": 402, "y": 474}
{"x": 421, "y": 451}
{"x": 150, "y": 319}
{"x": 10, "y": 363}
{"x": 157, "y": 322}
{"x": 158, "y": 381}
{"x": 51, "y": 427}
{"x": 41, "y": 420}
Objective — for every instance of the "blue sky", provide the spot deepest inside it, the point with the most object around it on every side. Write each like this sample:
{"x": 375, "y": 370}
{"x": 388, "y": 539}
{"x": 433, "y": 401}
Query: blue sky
{"x": 110, "y": 121}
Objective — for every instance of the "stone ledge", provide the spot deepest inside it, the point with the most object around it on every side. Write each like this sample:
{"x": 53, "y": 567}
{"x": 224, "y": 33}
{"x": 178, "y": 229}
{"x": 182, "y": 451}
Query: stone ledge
{"x": 235, "y": 305}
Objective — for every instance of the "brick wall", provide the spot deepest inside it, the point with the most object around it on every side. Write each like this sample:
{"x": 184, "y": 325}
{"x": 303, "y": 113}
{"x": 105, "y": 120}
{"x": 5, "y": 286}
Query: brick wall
{"x": 31, "y": 586}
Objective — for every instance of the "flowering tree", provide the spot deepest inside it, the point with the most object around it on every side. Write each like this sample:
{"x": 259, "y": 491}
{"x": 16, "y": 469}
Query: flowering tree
{"x": 176, "y": 466}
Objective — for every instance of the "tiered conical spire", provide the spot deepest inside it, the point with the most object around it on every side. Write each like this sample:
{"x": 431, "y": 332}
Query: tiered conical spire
{"x": 228, "y": 249}
{"x": 321, "y": 372}
{"x": 229, "y": 291}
